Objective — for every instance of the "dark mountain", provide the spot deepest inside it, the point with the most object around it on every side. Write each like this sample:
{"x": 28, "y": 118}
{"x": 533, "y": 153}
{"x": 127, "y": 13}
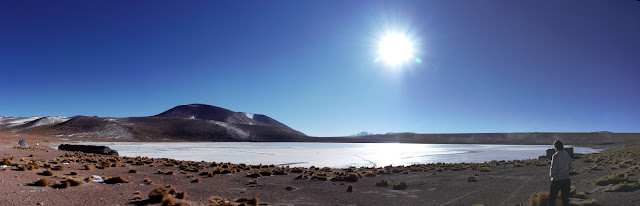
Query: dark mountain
{"x": 194, "y": 122}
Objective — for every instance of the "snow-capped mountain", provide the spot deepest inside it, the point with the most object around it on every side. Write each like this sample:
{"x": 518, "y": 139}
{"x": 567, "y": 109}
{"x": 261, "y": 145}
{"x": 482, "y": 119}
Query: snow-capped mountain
{"x": 363, "y": 133}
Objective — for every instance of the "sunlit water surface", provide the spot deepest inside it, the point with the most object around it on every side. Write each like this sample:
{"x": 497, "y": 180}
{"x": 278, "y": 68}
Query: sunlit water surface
{"x": 337, "y": 155}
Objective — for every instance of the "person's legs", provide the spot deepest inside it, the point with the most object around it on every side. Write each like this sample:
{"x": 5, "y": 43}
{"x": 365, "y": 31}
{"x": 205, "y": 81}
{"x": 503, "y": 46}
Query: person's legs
{"x": 553, "y": 192}
{"x": 565, "y": 187}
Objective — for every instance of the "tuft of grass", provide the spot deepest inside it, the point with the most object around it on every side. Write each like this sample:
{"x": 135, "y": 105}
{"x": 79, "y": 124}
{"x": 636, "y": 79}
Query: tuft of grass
{"x": 290, "y": 187}
{"x": 382, "y": 183}
{"x": 115, "y": 180}
{"x": 253, "y": 174}
{"x": 400, "y": 186}
{"x": 350, "y": 188}
{"x": 74, "y": 182}
{"x": 58, "y": 168}
{"x": 614, "y": 178}
{"x": 266, "y": 172}
{"x": 623, "y": 187}
{"x": 167, "y": 201}
{"x": 196, "y": 180}
{"x": 472, "y": 179}
{"x": 88, "y": 166}
{"x": 219, "y": 201}
{"x": 73, "y": 173}
{"x": 352, "y": 177}
{"x": 42, "y": 182}
{"x": 157, "y": 194}
{"x": 148, "y": 181}
{"x": 47, "y": 172}
{"x": 579, "y": 202}
{"x": 542, "y": 199}
{"x": 181, "y": 195}
{"x": 62, "y": 185}
{"x": 132, "y": 170}
{"x": 248, "y": 201}
{"x": 253, "y": 182}
{"x": 370, "y": 174}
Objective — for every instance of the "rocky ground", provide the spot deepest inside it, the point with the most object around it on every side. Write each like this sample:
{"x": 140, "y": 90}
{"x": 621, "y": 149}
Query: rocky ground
{"x": 195, "y": 183}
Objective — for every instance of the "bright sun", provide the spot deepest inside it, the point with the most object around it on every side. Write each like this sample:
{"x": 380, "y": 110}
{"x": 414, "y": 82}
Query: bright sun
{"x": 395, "y": 49}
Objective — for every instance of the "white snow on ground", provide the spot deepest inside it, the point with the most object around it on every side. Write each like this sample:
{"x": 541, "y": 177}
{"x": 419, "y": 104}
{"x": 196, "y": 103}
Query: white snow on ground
{"x": 248, "y": 115}
{"x": 49, "y": 121}
{"x": 7, "y": 122}
{"x": 230, "y": 128}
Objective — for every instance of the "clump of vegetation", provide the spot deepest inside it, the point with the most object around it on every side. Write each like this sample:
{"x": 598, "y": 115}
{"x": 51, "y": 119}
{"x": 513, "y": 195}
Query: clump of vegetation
{"x": 297, "y": 170}
{"x": 624, "y": 187}
{"x": 254, "y": 174}
{"x": 350, "y": 188}
{"x": 181, "y": 195}
{"x": 196, "y": 180}
{"x": 352, "y": 177}
{"x": 132, "y": 170}
{"x": 157, "y": 194}
{"x": 614, "y": 178}
{"x": 290, "y": 187}
{"x": 319, "y": 176}
{"x": 253, "y": 182}
{"x": 58, "y": 168}
{"x": 115, "y": 180}
{"x": 219, "y": 201}
{"x": 400, "y": 186}
{"x": 382, "y": 183}
{"x": 62, "y": 185}
{"x": 88, "y": 179}
{"x": 88, "y": 166}
{"x": 266, "y": 172}
{"x": 74, "y": 182}
{"x": 47, "y": 172}
{"x": 167, "y": 201}
{"x": 148, "y": 181}
{"x": 42, "y": 182}
{"x": 301, "y": 177}
{"x": 248, "y": 201}
{"x": 472, "y": 179}
{"x": 370, "y": 174}
{"x": 73, "y": 173}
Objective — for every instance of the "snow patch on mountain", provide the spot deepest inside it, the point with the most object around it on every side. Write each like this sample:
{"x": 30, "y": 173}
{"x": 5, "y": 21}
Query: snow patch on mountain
{"x": 47, "y": 121}
{"x": 363, "y": 133}
{"x": 8, "y": 122}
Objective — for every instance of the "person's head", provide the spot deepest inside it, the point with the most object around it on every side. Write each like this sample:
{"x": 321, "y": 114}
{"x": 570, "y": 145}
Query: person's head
{"x": 558, "y": 145}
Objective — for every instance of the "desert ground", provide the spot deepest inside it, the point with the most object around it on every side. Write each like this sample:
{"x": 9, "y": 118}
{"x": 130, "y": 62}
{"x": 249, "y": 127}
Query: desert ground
{"x": 606, "y": 178}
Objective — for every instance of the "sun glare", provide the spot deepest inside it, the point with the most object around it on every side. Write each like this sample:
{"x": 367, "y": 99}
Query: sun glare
{"x": 395, "y": 49}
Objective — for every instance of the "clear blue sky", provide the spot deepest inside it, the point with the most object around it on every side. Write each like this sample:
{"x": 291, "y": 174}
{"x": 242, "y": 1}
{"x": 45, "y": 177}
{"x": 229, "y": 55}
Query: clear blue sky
{"x": 502, "y": 66}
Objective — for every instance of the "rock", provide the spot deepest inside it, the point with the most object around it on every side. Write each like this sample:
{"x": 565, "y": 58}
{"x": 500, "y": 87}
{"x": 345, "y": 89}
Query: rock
{"x": 89, "y": 149}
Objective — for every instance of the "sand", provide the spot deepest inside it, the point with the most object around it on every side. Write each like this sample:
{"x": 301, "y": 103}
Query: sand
{"x": 506, "y": 183}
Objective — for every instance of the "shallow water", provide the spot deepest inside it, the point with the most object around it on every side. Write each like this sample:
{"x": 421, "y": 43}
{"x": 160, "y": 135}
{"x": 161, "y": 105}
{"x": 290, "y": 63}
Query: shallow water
{"x": 337, "y": 155}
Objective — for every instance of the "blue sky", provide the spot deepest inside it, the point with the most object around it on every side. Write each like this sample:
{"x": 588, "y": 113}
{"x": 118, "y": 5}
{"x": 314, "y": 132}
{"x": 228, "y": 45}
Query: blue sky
{"x": 500, "y": 66}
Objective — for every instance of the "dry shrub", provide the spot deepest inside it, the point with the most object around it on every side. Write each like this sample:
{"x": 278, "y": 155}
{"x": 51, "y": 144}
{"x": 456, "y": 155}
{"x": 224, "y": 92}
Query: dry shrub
{"x": 218, "y": 201}
{"x": 88, "y": 166}
{"x": 167, "y": 201}
{"x": 88, "y": 179}
{"x": 400, "y": 186}
{"x": 472, "y": 179}
{"x": 298, "y": 170}
{"x": 115, "y": 180}
{"x": 74, "y": 182}
{"x": 42, "y": 182}
{"x": 73, "y": 173}
{"x": 623, "y": 187}
{"x": 352, "y": 177}
{"x": 614, "y": 178}
{"x": 249, "y": 201}
{"x": 133, "y": 170}
{"x": 579, "y": 202}
{"x": 62, "y": 185}
{"x": 266, "y": 172}
{"x": 47, "y": 172}
{"x": 58, "y": 168}
{"x": 181, "y": 195}
{"x": 290, "y": 187}
{"x": 370, "y": 174}
{"x": 382, "y": 183}
{"x": 196, "y": 180}
{"x": 148, "y": 181}
{"x": 157, "y": 194}
{"x": 254, "y": 174}
{"x": 350, "y": 188}
{"x": 253, "y": 182}
{"x": 319, "y": 176}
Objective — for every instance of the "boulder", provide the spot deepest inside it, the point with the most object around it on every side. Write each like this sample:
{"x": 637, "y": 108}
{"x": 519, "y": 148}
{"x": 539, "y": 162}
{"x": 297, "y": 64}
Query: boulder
{"x": 89, "y": 149}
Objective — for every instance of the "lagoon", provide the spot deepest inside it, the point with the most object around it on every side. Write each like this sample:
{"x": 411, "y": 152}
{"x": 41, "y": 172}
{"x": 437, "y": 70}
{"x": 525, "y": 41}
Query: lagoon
{"x": 337, "y": 155}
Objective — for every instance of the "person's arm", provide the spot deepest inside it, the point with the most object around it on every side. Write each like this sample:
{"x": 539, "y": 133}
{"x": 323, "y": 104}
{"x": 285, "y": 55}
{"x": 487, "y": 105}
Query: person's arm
{"x": 570, "y": 162}
{"x": 553, "y": 166}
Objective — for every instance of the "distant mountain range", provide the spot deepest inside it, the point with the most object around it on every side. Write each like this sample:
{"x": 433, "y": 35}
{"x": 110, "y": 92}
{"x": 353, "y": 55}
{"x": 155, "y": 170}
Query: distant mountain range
{"x": 193, "y": 122}
{"x": 200, "y": 122}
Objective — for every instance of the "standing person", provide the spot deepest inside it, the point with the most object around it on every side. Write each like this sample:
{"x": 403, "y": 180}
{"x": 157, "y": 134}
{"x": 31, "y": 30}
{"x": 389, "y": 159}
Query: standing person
{"x": 559, "y": 172}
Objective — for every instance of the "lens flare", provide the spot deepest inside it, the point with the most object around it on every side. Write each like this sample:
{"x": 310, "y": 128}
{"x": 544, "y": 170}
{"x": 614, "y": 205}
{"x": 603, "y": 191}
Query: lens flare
{"x": 395, "y": 49}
